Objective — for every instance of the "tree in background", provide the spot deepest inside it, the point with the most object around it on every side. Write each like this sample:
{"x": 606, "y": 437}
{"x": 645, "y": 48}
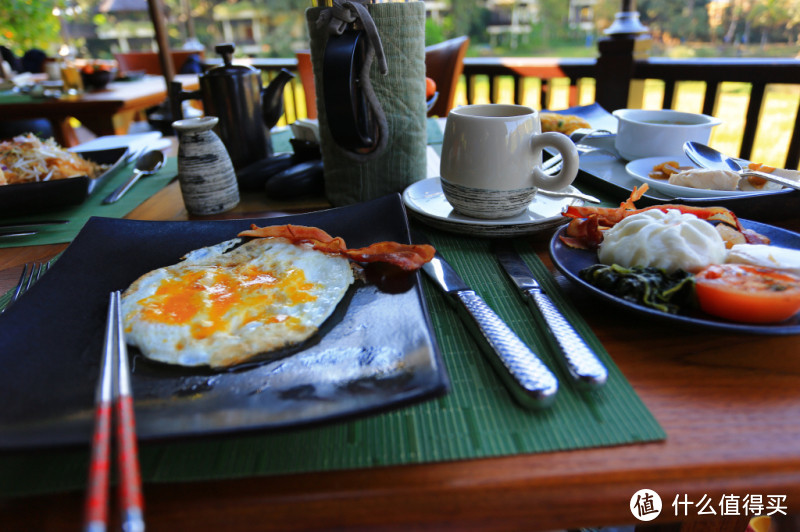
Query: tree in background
{"x": 684, "y": 20}
{"x": 466, "y": 17}
{"x": 775, "y": 20}
{"x": 29, "y": 25}
{"x": 552, "y": 26}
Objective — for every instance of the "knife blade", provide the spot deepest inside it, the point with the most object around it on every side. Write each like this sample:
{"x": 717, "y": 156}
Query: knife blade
{"x": 23, "y": 225}
{"x": 15, "y": 234}
{"x": 581, "y": 361}
{"x": 528, "y": 379}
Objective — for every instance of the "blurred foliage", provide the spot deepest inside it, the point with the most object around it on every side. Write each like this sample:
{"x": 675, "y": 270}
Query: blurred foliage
{"x": 677, "y": 26}
{"x": 28, "y": 24}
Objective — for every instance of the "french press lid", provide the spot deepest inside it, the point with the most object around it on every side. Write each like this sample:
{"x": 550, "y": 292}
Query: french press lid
{"x": 228, "y": 69}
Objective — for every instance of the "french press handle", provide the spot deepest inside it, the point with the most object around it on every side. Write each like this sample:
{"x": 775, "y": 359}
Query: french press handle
{"x": 350, "y": 119}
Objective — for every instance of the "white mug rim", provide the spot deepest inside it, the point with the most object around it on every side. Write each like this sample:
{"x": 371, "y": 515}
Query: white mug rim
{"x": 498, "y": 111}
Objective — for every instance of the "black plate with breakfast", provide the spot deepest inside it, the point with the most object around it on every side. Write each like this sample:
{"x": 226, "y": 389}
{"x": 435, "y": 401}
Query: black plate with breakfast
{"x": 367, "y": 346}
{"x": 699, "y": 266}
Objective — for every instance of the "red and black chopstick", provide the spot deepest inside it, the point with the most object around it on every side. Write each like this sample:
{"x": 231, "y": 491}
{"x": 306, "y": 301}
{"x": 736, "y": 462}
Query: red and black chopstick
{"x": 114, "y": 394}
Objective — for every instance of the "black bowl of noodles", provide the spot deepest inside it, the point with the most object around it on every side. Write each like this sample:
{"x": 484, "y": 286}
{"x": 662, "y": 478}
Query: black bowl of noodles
{"x": 46, "y": 193}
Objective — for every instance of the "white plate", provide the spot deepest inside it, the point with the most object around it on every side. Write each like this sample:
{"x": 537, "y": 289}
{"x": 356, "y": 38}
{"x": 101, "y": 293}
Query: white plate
{"x": 640, "y": 168}
{"x": 426, "y": 202}
{"x": 136, "y": 142}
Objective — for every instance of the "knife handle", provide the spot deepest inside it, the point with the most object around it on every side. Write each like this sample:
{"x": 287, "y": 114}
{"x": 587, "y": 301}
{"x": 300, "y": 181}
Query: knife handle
{"x": 532, "y": 383}
{"x": 582, "y": 362}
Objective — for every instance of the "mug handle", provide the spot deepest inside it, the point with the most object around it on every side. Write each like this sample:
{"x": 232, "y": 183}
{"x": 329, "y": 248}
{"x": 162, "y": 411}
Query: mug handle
{"x": 564, "y": 145}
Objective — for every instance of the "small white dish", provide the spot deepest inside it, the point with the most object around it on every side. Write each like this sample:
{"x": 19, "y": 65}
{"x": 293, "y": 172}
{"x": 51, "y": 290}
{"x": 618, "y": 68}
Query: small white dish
{"x": 640, "y": 168}
{"x": 426, "y": 202}
{"x": 648, "y": 133}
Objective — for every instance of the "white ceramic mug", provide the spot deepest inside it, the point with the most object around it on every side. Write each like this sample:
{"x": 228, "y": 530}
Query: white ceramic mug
{"x": 492, "y": 157}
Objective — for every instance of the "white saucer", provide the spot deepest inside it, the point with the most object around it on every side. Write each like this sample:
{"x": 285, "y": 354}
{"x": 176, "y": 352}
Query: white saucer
{"x": 640, "y": 168}
{"x": 426, "y": 202}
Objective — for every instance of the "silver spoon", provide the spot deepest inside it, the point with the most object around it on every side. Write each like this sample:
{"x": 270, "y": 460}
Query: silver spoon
{"x": 147, "y": 164}
{"x": 707, "y": 157}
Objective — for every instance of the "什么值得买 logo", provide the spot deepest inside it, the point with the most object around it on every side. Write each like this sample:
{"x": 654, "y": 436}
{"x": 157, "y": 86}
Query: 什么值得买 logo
{"x": 645, "y": 505}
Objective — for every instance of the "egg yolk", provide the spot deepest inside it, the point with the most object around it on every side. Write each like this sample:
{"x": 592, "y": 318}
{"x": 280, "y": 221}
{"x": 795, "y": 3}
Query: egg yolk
{"x": 212, "y": 300}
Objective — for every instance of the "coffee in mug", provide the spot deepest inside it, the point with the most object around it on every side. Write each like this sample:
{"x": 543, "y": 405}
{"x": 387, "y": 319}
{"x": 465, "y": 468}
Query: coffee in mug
{"x": 492, "y": 157}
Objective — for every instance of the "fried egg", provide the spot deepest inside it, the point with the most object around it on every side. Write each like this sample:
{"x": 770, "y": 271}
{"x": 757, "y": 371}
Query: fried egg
{"x": 778, "y": 258}
{"x": 223, "y": 305}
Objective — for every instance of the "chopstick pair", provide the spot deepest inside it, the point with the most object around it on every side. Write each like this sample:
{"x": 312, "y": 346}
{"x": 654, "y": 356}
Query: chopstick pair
{"x": 113, "y": 399}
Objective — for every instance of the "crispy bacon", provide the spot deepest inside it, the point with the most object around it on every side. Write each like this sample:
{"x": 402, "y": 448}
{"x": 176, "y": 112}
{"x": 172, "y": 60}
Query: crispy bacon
{"x": 585, "y": 230}
{"x": 405, "y": 256}
{"x": 608, "y": 217}
{"x": 583, "y": 233}
{"x": 755, "y": 238}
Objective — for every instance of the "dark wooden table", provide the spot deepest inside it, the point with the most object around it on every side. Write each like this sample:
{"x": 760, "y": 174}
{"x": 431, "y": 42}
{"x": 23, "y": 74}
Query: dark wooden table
{"x": 729, "y": 403}
{"x": 109, "y": 111}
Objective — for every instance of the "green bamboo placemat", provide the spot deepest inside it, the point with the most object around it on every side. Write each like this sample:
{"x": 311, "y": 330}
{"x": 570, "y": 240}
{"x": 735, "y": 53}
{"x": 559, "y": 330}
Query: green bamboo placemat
{"x": 476, "y": 419}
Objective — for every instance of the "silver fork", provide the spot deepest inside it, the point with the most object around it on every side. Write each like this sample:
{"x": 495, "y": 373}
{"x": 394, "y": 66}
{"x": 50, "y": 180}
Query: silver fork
{"x": 31, "y": 273}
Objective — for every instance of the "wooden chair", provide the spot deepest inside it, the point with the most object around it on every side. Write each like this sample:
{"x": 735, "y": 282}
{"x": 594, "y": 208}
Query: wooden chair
{"x": 306, "y": 72}
{"x": 149, "y": 61}
{"x": 444, "y": 63}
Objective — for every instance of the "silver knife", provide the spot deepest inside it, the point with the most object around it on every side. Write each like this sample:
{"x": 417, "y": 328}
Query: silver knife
{"x": 24, "y": 225}
{"x": 581, "y": 362}
{"x": 531, "y": 383}
{"x": 15, "y": 234}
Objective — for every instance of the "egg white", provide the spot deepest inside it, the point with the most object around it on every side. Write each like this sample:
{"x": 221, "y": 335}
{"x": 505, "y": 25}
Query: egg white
{"x": 766, "y": 256}
{"x": 220, "y": 306}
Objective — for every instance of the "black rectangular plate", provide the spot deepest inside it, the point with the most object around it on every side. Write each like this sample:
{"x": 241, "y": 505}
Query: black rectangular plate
{"x": 35, "y": 198}
{"x": 376, "y": 352}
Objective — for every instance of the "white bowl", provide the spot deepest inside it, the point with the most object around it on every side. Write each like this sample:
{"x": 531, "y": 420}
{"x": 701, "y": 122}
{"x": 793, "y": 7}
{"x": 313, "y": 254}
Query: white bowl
{"x": 649, "y": 133}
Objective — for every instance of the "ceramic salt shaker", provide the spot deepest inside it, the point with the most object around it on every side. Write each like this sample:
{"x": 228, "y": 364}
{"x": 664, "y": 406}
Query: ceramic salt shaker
{"x": 205, "y": 172}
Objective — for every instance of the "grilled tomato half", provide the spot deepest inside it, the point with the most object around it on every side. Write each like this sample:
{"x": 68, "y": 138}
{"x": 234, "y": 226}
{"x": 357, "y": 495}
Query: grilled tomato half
{"x": 748, "y": 294}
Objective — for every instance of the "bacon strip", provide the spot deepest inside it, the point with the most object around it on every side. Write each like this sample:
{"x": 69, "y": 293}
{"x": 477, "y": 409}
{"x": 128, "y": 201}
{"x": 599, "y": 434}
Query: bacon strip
{"x": 585, "y": 230}
{"x": 405, "y": 256}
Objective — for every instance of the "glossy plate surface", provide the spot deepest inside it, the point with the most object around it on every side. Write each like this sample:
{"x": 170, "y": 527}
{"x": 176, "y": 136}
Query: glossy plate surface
{"x": 32, "y": 198}
{"x": 426, "y": 202}
{"x": 640, "y": 168}
{"x": 570, "y": 261}
{"x": 376, "y": 352}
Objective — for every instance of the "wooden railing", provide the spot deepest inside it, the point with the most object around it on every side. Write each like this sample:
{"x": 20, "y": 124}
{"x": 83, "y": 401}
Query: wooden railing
{"x": 616, "y": 83}
{"x": 757, "y": 72}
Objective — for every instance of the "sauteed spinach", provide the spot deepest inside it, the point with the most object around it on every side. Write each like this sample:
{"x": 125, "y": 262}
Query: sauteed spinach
{"x": 649, "y": 286}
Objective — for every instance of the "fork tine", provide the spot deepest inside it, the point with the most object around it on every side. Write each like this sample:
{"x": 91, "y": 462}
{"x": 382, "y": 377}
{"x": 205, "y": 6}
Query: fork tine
{"x": 31, "y": 272}
{"x": 43, "y": 266}
{"x": 23, "y": 282}
{"x": 36, "y": 271}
